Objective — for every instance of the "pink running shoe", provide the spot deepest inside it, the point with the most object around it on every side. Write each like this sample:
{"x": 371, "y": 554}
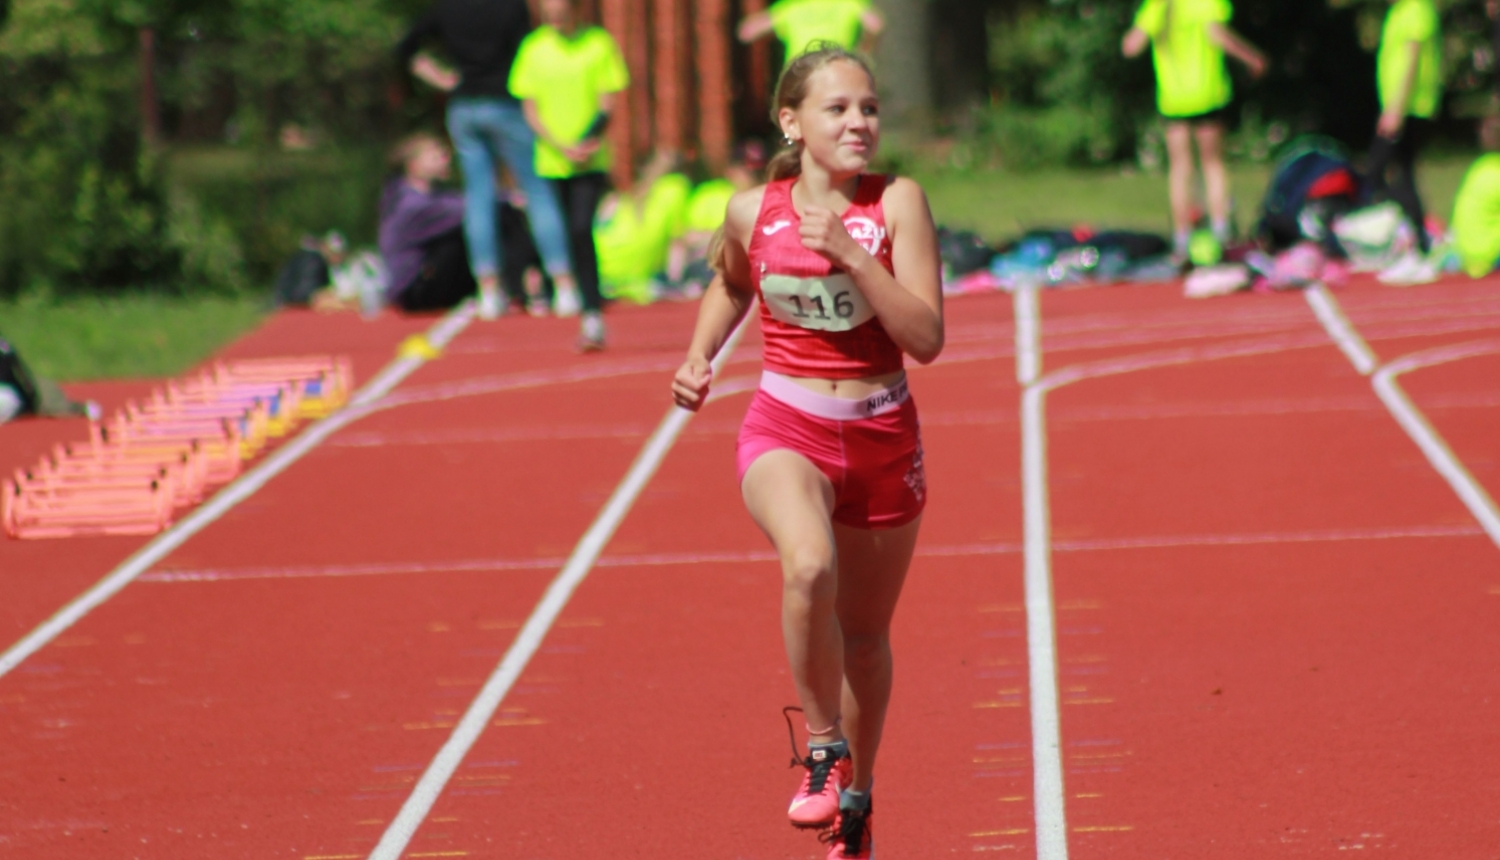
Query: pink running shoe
{"x": 852, "y": 837}
{"x": 816, "y": 803}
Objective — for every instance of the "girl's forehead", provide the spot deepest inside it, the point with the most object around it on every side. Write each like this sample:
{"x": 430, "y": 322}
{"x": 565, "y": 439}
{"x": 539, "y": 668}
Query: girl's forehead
{"x": 840, "y": 77}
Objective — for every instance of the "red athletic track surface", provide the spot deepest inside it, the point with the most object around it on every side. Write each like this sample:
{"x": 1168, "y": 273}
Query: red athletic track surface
{"x": 1277, "y": 625}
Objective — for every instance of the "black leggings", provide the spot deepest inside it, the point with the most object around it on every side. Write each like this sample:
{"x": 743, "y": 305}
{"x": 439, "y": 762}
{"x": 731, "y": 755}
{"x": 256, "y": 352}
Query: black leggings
{"x": 445, "y": 278}
{"x": 1402, "y": 152}
{"x": 580, "y": 196}
{"x": 518, "y": 253}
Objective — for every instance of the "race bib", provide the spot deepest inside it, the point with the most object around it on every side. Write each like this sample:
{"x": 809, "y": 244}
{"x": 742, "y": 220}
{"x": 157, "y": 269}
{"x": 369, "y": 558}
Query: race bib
{"x": 833, "y": 303}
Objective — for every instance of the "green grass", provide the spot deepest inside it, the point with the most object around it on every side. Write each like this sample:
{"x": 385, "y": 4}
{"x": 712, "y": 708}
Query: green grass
{"x": 148, "y": 335}
{"x": 1002, "y": 204}
{"x": 72, "y": 339}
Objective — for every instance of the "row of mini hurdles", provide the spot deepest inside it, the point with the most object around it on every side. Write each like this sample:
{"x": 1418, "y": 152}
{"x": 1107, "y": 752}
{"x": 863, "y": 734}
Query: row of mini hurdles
{"x": 156, "y": 458}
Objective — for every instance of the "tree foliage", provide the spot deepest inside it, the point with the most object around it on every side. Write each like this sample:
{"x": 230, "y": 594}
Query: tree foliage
{"x": 1065, "y": 95}
{"x": 88, "y": 202}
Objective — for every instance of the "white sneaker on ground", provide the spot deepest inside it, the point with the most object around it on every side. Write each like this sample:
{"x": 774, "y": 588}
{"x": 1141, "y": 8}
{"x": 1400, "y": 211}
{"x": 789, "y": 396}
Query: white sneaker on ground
{"x": 1410, "y": 270}
{"x": 591, "y": 333}
{"x": 491, "y": 304}
{"x": 566, "y": 303}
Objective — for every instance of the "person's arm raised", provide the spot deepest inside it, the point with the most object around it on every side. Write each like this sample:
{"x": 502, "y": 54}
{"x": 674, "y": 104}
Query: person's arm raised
{"x": 1135, "y": 42}
{"x": 910, "y": 302}
{"x": 872, "y": 26}
{"x": 725, "y": 302}
{"x": 755, "y": 27}
{"x": 1238, "y": 47}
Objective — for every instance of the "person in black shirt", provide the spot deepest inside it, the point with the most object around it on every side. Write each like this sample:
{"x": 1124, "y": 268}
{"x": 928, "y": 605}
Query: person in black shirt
{"x": 486, "y": 124}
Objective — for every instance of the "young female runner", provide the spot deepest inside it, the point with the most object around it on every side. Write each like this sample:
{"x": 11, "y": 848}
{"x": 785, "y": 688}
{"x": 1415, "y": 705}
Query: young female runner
{"x": 830, "y": 458}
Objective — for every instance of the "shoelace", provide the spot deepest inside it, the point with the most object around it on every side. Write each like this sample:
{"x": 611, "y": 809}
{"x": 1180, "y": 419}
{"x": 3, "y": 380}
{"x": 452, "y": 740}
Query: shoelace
{"x": 818, "y": 771}
{"x": 850, "y": 831}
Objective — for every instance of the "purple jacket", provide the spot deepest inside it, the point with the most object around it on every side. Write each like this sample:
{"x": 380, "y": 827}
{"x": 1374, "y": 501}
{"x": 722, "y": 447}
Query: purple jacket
{"x": 409, "y": 219}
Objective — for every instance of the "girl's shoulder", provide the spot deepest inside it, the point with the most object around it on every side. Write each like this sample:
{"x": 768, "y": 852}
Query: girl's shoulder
{"x": 744, "y": 211}
{"x": 903, "y": 193}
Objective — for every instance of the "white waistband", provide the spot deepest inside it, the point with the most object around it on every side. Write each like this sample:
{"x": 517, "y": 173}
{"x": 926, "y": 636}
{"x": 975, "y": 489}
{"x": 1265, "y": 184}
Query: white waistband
{"x": 834, "y": 408}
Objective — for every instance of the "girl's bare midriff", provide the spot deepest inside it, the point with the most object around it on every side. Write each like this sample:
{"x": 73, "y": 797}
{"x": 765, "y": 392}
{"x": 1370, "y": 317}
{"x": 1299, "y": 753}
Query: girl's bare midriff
{"x": 849, "y": 389}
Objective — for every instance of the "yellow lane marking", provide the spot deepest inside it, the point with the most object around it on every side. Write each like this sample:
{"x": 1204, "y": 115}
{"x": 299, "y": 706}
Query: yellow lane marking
{"x": 334, "y": 857}
{"x": 1015, "y": 831}
{"x": 1087, "y": 796}
{"x": 993, "y": 705}
{"x": 1011, "y": 760}
{"x": 1016, "y": 799}
{"x": 517, "y": 721}
{"x": 1119, "y": 829}
{"x": 460, "y": 682}
{"x": 440, "y": 854}
{"x": 438, "y": 627}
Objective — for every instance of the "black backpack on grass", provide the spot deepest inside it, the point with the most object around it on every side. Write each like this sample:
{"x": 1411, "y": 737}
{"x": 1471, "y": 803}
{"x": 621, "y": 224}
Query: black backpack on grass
{"x": 15, "y": 375}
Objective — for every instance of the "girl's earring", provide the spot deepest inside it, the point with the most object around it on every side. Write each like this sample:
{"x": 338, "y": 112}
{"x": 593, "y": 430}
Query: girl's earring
{"x": 787, "y": 139}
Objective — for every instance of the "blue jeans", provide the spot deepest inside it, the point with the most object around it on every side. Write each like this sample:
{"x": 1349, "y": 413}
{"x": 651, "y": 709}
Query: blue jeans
{"x": 486, "y": 130}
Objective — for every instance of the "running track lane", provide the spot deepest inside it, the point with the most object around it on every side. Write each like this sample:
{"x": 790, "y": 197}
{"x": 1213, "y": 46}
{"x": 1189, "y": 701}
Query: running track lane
{"x": 287, "y": 717}
{"x": 1296, "y": 697}
{"x": 661, "y": 688}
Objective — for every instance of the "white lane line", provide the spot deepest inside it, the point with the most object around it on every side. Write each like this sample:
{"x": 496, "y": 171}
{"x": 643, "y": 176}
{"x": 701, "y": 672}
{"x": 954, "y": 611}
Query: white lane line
{"x": 1046, "y": 732}
{"x": 469, "y": 729}
{"x": 226, "y": 499}
{"x": 1041, "y": 636}
{"x": 1407, "y": 415}
{"x": 673, "y": 559}
{"x": 1028, "y": 335}
{"x": 1343, "y": 332}
{"x": 1432, "y": 443}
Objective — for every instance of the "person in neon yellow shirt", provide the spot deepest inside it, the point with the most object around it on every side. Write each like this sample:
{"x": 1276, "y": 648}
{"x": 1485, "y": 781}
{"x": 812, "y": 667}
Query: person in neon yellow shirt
{"x": 1476, "y": 209}
{"x": 1188, "y": 41}
{"x": 850, "y": 24}
{"x": 1409, "y": 70}
{"x": 568, "y": 78}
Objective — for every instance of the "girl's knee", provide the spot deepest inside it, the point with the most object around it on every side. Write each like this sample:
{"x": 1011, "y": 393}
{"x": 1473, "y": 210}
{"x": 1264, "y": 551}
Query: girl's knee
{"x": 865, "y": 652}
{"x": 810, "y": 573}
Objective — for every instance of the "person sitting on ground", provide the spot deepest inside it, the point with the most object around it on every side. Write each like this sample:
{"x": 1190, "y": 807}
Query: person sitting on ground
{"x": 688, "y": 271}
{"x": 636, "y": 228}
{"x": 1410, "y": 73}
{"x": 421, "y": 230}
{"x": 799, "y": 24}
{"x": 1188, "y": 40}
{"x": 1476, "y": 210}
{"x": 569, "y": 76}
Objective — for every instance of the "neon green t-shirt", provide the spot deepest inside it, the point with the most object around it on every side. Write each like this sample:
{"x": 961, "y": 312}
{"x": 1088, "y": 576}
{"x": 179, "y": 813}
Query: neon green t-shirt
{"x": 1476, "y": 217}
{"x": 634, "y": 241}
{"x": 799, "y": 23}
{"x": 707, "y": 207}
{"x": 1412, "y": 21}
{"x": 1191, "y": 78}
{"x": 565, "y": 78}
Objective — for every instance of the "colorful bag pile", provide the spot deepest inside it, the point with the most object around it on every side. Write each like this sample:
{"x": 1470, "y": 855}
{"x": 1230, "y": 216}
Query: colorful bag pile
{"x": 143, "y": 465}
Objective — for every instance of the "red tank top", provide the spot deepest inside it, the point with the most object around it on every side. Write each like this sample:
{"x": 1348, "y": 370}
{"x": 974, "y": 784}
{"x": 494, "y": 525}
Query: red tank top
{"x": 813, "y": 317}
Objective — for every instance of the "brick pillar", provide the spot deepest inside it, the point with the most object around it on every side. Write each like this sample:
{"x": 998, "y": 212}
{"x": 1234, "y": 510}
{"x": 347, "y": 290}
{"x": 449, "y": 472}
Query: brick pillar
{"x": 669, "y": 52}
{"x": 715, "y": 126}
{"x": 759, "y": 90}
{"x": 632, "y": 120}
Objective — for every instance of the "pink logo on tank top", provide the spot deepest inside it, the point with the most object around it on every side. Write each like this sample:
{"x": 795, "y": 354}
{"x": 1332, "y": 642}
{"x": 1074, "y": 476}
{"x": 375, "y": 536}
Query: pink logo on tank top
{"x": 867, "y": 233}
{"x": 916, "y": 476}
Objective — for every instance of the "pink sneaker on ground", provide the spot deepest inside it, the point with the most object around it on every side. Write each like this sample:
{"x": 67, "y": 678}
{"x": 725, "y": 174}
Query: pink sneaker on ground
{"x": 852, "y": 837}
{"x": 816, "y": 803}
